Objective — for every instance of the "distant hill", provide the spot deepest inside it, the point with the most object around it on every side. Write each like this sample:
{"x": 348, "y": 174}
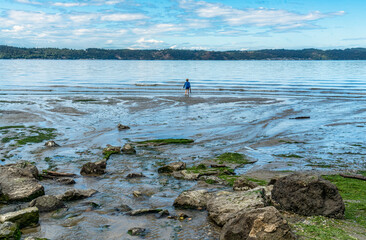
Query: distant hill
{"x": 8, "y": 52}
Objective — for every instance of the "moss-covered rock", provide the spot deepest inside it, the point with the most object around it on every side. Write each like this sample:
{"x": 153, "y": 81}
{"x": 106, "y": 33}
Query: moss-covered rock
{"x": 9, "y": 231}
{"x": 24, "y": 218}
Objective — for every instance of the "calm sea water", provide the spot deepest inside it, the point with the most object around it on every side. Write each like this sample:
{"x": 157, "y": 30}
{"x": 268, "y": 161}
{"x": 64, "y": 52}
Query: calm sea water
{"x": 313, "y": 78}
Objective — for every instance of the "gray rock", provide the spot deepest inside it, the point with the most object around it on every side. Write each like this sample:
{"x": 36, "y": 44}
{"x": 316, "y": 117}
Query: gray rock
{"x": 51, "y": 144}
{"x": 171, "y": 167}
{"x": 19, "y": 182}
{"x": 243, "y": 184}
{"x": 76, "y": 194}
{"x": 66, "y": 181}
{"x": 111, "y": 148}
{"x": 163, "y": 213}
{"x": 9, "y": 231}
{"x": 225, "y": 205}
{"x": 196, "y": 199}
{"x": 123, "y": 208}
{"x": 135, "y": 175}
{"x": 128, "y": 148}
{"x": 144, "y": 211}
{"x": 24, "y": 218}
{"x": 184, "y": 174}
{"x": 94, "y": 168}
{"x": 136, "y": 231}
{"x": 308, "y": 195}
{"x": 47, "y": 203}
{"x": 260, "y": 224}
{"x": 122, "y": 127}
{"x": 213, "y": 180}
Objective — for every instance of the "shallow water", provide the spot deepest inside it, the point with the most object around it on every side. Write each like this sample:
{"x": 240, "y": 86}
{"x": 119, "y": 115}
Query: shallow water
{"x": 304, "y": 78}
{"x": 243, "y": 106}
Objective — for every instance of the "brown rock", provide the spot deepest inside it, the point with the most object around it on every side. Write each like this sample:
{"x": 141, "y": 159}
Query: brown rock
{"x": 94, "y": 168}
{"x": 308, "y": 195}
{"x": 257, "y": 224}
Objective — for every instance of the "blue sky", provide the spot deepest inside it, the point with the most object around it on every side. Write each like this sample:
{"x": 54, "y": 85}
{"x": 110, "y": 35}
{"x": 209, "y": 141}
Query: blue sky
{"x": 183, "y": 24}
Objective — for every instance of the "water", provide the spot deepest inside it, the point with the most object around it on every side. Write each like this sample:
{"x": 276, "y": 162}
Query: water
{"x": 306, "y": 78}
{"x": 236, "y": 106}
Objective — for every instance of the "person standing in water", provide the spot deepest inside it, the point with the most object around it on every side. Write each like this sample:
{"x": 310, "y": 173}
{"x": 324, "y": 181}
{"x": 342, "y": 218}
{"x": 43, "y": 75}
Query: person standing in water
{"x": 187, "y": 87}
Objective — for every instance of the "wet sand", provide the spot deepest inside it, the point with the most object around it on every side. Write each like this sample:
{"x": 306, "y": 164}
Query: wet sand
{"x": 331, "y": 140}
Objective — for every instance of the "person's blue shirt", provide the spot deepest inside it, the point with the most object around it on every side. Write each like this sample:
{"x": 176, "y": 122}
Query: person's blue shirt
{"x": 187, "y": 85}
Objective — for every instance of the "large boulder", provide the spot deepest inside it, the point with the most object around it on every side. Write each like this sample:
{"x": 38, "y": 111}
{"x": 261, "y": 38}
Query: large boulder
{"x": 196, "y": 199}
{"x": 259, "y": 224}
{"x": 171, "y": 167}
{"x": 225, "y": 205}
{"x": 24, "y": 218}
{"x": 18, "y": 182}
{"x": 76, "y": 194}
{"x": 94, "y": 168}
{"x": 308, "y": 195}
{"x": 9, "y": 231}
{"x": 47, "y": 203}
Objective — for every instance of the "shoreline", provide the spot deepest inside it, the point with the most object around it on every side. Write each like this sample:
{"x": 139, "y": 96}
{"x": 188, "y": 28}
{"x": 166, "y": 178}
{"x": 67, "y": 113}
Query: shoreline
{"x": 259, "y": 127}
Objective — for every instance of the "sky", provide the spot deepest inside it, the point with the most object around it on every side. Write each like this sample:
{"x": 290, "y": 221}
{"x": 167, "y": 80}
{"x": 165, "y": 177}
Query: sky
{"x": 184, "y": 24}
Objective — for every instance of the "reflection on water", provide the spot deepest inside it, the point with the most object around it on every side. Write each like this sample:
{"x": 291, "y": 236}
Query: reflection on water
{"x": 311, "y": 78}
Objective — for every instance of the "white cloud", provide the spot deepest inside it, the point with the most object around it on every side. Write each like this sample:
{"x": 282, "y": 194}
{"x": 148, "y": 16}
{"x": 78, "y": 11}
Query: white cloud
{"x": 143, "y": 40}
{"x": 261, "y": 17}
{"x": 158, "y": 28}
{"x": 14, "y": 29}
{"x": 62, "y": 4}
{"x": 29, "y": 2}
{"x": 83, "y": 18}
{"x": 32, "y": 17}
{"x": 120, "y": 17}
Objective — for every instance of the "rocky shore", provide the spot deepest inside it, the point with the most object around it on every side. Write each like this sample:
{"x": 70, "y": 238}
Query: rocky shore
{"x": 113, "y": 180}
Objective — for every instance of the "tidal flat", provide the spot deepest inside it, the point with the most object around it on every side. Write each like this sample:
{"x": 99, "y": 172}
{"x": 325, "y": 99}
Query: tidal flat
{"x": 269, "y": 131}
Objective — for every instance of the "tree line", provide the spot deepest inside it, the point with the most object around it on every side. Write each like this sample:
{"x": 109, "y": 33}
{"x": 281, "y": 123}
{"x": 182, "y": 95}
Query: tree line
{"x": 9, "y": 52}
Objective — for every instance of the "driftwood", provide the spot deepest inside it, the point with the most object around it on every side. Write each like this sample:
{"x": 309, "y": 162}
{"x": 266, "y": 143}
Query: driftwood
{"x": 59, "y": 174}
{"x": 359, "y": 177}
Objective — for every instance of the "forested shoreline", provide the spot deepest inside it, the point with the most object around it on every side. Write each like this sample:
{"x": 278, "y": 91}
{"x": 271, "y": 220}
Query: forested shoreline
{"x": 9, "y": 52}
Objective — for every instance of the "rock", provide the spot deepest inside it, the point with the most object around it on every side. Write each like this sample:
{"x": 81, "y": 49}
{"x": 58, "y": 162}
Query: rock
{"x": 47, "y": 203}
{"x": 171, "y": 167}
{"x": 136, "y": 193}
{"x": 196, "y": 199}
{"x": 9, "y": 231}
{"x": 260, "y": 224}
{"x": 66, "y": 181}
{"x": 123, "y": 208}
{"x": 308, "y": 195}
{"x": 243, "y": 184}
{"x": 181, "y": 216}
{"x": 111, "y": 149}
{"x": 24, "y": 218}
{"x": 51, "y": 144}
{"x": 136, "y": 231}
{"x": 163, "y": 213}
{"x": 144, "y": 211}
{"x": 94, "y": 168}
{"x": 184, "y": 174}
{"x": 135, "y": 175}
{"x": 225, "y": 205}
{"x": 19, "y": 182}
{"x": 122, "y": 127}
{"x": 76, "y": 194}
{"x": 213, "y": 180}
{"x": 128, "y": 148}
